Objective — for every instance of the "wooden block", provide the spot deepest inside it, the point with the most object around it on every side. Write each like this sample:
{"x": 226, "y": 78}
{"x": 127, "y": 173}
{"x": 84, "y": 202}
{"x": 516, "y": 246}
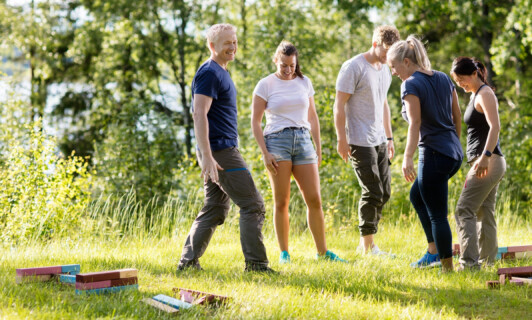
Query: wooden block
{"x": 516, "y": 271}
{"x": 524, "y": 280}
{"x": 106, "y": 283}
{"x": 498, "y": 256}
{"x": 159, "y": 305}
{"x": 34, "y": 278}
{"x": 108, "y": 290}
{"x": 106, "y": 275}
{"x": 502, "y": 250}
{"x": 523, "y": 254}
{"x": 508, "y": 255}
{"x": 502, "y": 279}
{"x": 187, "y": 296}
{"x": 172, "y": 302}
{"x": 517, "y": 282}
{"x": 202, "y": 297}
{"x": 520, "y": 248}
{"x": 71, "y": 268}
{"x": 39, "y": 271}
{"x": 67, "y": 279}
{"x": 492, "y": 284}
{"x": 456, "y": 249}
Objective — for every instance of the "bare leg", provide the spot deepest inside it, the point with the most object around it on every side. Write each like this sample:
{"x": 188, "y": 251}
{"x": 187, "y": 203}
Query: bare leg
{"x": 367, "y": 242}
{"x": 308, "y": 181}
{"x": 281, "y": 195}
{"x": 432, "y": 248}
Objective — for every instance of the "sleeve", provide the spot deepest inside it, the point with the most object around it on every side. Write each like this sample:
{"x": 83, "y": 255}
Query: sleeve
{"x": 311, "y": 91}
{"x": 347, "y": 78}
{"x": 409, "y": 87}
{"x": 207, "y": 84}
{"x": 261, "y": 89}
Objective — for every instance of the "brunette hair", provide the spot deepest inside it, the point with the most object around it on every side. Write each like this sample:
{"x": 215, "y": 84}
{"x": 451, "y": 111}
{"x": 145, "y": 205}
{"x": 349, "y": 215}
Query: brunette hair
{"x": 411, "y": 48}
{"x": 465, "y": 66}
{"x": 286, "y": 48}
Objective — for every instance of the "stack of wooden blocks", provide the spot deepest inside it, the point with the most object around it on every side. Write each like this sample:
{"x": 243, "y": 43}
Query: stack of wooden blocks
{"x": 515, "y": 275}
{"x": 106, "y": 281}
{"x": 189, "y": 298}
{"x": 65, "y": 273}
{"x": 512, "y": 252}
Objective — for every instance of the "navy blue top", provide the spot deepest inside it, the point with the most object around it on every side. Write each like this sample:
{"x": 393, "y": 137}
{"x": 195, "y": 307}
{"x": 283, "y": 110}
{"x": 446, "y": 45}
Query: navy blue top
{"x": 477, "y": 131}
{"x": 214, "y": 81}
{"x": 435, "y": 93}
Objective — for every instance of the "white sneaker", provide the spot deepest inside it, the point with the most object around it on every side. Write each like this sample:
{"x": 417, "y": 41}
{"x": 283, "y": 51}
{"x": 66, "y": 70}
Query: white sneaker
{"x": 375, "y": 251}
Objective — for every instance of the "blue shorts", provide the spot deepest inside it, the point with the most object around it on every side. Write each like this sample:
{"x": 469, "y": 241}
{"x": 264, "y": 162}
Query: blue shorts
{"x": 291, "y": 144}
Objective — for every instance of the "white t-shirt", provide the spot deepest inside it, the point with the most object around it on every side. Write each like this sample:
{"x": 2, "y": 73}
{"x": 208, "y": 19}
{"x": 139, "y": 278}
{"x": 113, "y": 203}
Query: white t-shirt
{"x": 364, "y": 109}
{"x": 287, "y": 102}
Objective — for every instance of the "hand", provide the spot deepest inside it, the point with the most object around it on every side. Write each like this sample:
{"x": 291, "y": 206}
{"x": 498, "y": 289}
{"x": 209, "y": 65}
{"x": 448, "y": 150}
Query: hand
{"x": 209, "y": 169}
{"x": 318, "y": 152}
{"x": 391, "y": 149}
{"x": 270, "y": 163}
{"x": 481, "y": 167}
{"x": 343, "y": 149}
{"x": 408, "y": 169}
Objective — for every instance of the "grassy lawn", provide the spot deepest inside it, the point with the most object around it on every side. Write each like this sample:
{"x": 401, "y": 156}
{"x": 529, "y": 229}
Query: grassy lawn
{"x": 366, "y": 288}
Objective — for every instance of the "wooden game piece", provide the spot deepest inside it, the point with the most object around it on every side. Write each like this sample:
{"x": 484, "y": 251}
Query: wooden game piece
{"x": 159, "y": 305}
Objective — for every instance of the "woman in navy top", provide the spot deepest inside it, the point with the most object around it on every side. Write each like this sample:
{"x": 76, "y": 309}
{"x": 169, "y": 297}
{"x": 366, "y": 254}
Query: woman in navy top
{"x": 475, "y": 210}
{"x": 430, "y": 106}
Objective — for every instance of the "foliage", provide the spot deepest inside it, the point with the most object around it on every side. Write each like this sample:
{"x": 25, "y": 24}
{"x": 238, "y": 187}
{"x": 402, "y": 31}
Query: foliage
{"x": 42, "y": 196}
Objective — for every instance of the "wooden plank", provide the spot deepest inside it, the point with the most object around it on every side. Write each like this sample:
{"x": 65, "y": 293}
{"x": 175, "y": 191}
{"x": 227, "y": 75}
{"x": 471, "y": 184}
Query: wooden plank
{"x": 106, "y": 275}
{"x": 159, "y": 305}
{"x": 502, "y": 249}
{"x": 67, "y": 279}
{"x": 108, "y": 290}
{"x": 39, "y": 271}
{"x": 456, "y": 249}
{"x": 516, "y": 271}
{"x": 492, "y": 284}
{"x": 524, "y": 254}
{"x": 201, "y": 297}
{"x": 508, "y": 255}
{"x": 516, "y": 282}
{"x": 173, "y": 302}
{"x": 71, "y": 268}
{"x": 105, "y": 283}
{"x": 524, "y": 280}
{"x": 34, "y": 278}
{"x": 520, "y": 248}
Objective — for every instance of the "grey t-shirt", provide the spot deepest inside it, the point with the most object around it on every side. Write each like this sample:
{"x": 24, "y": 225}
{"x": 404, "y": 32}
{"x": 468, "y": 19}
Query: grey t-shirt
{"x": 364, "y": 109}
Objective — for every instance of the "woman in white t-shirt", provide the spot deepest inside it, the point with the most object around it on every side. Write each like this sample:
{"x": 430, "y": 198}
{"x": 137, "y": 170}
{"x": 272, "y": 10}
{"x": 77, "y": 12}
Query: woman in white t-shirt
{"x": 287, "y": 98}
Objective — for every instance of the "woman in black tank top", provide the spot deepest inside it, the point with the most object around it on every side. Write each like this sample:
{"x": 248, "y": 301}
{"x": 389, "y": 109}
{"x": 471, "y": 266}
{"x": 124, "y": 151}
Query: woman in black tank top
{"x": 477, "y": 200}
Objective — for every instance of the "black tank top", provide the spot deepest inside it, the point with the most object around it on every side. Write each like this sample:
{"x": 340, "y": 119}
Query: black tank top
{"x": 477, "y": 130}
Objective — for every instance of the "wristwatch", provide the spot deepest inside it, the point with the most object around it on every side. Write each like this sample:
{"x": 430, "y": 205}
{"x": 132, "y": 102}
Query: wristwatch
{"x": 487, "y": 153}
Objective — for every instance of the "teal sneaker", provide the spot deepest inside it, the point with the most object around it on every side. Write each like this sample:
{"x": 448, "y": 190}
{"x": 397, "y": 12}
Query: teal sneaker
{"x": 331, "y": 256}
{"x": 284, "y": 258}
{"x": 427, "y": 261}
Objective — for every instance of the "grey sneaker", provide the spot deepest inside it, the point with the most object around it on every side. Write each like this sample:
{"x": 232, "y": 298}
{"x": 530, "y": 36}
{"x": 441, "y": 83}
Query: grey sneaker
{"x": 191, "y": 265}
{"x": 254, "y": 267}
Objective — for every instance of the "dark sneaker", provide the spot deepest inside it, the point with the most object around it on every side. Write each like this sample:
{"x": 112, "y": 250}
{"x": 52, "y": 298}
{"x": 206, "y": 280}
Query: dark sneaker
{"x": 253, "y": 267}
{"x": 192, "y": 265}
{"x": 427, "y": 261}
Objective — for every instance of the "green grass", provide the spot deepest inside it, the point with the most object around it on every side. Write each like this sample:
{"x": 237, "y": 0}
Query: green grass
{"x": 366, "y": 288}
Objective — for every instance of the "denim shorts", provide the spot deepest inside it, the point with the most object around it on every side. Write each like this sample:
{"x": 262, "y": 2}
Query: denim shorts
{"x": 291, "y": 144}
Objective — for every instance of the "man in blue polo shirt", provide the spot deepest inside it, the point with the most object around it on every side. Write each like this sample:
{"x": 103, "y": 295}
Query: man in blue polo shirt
{"x": 223, "y": 169}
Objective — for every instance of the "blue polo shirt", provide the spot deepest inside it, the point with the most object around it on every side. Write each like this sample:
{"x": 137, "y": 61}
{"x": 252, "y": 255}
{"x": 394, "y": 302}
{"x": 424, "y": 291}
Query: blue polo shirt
{"x": 214, "y": 81}
{"x": 435, "y": 93}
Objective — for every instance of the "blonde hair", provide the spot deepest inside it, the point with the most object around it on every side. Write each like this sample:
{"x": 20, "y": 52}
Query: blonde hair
{"x": 214, "y": 31}
{"x": 386, "y": 35}
{"x": 411, "y": 48}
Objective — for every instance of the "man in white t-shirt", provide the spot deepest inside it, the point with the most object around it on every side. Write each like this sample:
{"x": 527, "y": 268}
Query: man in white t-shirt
{"x": 364, "y": 131}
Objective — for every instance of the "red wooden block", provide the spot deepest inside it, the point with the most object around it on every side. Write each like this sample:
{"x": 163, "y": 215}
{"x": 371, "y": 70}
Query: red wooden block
{"x": 106, "y": 283}
{"x": 39, "y": 271}
{"x": 516, "y": 271}
{"x": 106, "y": 275}
{"x": 492, "y": 284}
{"x": 508, "y": 255}
{"x": 456, "y": 249}
{"x": 201, "y": 297}
{"x": 520, "y": 248}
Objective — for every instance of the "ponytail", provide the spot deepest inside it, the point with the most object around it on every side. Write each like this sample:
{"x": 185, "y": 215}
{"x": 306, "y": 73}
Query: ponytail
{"x": 411, "y": 48}
{"x": 465, "y": 66}
{"x": 287, "y": 49}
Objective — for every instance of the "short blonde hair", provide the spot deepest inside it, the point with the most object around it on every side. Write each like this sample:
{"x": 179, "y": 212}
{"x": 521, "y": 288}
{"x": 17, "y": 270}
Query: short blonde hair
{"x": 214, "y": 31}
{"x": 386, "y": 35}
{"x": 411, "y": 48}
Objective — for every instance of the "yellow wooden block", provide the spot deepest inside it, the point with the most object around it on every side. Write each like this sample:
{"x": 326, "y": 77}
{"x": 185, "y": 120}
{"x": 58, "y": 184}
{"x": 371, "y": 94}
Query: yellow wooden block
{"x": 159, "y": 305}
{"x": 128, "y": 273}
{"x": 526, "y": 254}
{"x": 34, "y": 278}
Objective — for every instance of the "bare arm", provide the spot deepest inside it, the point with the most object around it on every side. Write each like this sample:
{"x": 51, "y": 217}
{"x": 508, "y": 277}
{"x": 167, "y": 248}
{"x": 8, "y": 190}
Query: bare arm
{"x": 339, "y": 122}
{"x": 387, "y": 121}
{"x": 457, "y": 114}
{"x": 209, "y": 166}
{"x": 413, "y": 111}
{"x": 489, "y": 106}
{"x": 315, "y": 127}
{"x": 257, "y": 112}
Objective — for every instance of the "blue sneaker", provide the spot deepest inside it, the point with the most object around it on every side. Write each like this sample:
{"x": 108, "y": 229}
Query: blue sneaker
{"x": 331, "y": 256}
{"x": 284, "y": 257}
{"x": 427, "y": 261}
